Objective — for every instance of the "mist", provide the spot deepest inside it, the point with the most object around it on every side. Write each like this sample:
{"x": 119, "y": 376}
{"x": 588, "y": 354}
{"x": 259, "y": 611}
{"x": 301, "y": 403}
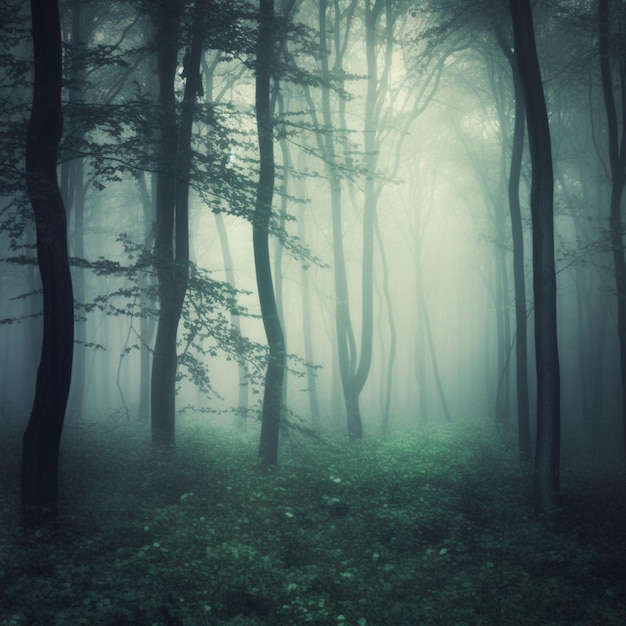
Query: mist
{"x": 293, "y": 224}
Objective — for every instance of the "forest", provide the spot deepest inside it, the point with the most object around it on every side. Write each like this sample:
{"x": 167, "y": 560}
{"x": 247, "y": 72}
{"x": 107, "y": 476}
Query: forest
{"x": 312, "y": 312}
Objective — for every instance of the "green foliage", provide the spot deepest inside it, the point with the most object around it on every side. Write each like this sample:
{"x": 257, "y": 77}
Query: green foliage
{"x": 431, "y": 528}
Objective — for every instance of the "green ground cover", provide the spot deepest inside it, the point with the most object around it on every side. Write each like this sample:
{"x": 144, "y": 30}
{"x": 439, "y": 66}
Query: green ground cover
{"x": 431, "y": 527}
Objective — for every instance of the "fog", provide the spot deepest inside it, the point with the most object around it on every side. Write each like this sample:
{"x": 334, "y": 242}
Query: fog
{"x": 444, "y": 116}
{"x": 273, "y": 274}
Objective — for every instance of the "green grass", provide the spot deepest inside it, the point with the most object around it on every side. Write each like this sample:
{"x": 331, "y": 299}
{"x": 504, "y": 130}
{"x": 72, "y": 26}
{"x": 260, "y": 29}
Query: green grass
{"x": 431, "y": 527}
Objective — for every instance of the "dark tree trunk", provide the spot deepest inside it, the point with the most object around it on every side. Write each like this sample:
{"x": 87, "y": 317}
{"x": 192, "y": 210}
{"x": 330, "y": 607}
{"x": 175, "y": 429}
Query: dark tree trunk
{"x": 163, "y": 381}
{"x": 617, "y": 159}
{"x": 146, "y": 303}
{"x": 171, "y": 248}
{"x": 547, "y": 454}
{"x": 270, "y": 418}
{"x": 40, "y": 453}
{"x": 521, "y": 328}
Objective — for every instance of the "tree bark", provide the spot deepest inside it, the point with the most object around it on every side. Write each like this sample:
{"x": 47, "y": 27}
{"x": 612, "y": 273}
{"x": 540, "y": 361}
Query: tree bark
{"x": 617, "y": 160}
{"x": 271, "y": 413}
{"x": 41, "y": 440}
{"x": 146, "y": 319}
{"x": 517, "y": 232}
{"x": 171, "y": 248}
{"x": 547, "y": 454}
{"x": 163, "y": 380}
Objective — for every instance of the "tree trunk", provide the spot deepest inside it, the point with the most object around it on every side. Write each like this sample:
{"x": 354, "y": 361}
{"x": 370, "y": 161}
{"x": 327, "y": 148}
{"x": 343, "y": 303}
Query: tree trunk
{"x": 73, "y": 193}
{"x": 370, "y": 147}
{"x": 346, "y": 344}
{"x": 243, "y": 385}
{"x": 617, "y": 159}
{"x": 517, "y": 232}
{"x": 388, "y": 381}
{"x": 270, "y": 418}
{"x": 309, "y": 356}
{"x": 40, "y": 452}
{"x": 146, "y": 303}
{"x": 547, "y": 454}
{"x": 278, "y": 248}
{"x": 171, "y": 248}
{"x": 163, "y": 380}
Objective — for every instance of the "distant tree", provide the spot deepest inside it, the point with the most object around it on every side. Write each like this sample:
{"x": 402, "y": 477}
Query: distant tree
{"x": 40, "y": 453}
{"x": 329, "y": 145}
{"x": 73, "y": 187}
{"x": 547, "y": 453}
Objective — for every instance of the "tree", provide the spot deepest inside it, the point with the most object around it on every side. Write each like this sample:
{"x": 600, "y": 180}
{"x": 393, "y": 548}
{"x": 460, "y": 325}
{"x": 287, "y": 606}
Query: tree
{"x": 41, "y": 440}
{"x": 171, "y": 249}
{"x": 73, "y": 191}
{"x": 346, "y": 346}
{"x": 274, "y": 374}
{"x": 617, "y": 163}
{"x": 547, "y": 453}
{"x": 521, "y": 331}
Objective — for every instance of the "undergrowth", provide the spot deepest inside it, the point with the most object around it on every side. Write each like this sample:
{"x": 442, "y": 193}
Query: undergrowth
{"x": 428, "y": 528}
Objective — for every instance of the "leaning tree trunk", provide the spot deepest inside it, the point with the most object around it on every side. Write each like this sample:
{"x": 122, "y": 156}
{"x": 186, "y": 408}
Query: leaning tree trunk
{"x": 274, "y": 374}
{"x": 40, "y": 452}
{"x": 617, "y": 159}
{"x": 547, "y": 453}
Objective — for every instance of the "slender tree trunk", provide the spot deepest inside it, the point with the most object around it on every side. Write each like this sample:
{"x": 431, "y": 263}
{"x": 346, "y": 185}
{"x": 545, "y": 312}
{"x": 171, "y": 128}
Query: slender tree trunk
{"x": 420, "y": 366}
{"x": 420, "y": 331}
{"x": 79, "y": 366}
{"x": 309, "y": 354}
{"x": 617, "y": 159}
{"x": 547, "y": 453}
{"x": 517, "y": 232}
{"x": 271, "y": 415}
{"x": 388, "y": 382}
{"x": 146, "y": 303}
{"x": 278, "y": 248}
{"x": 370, "y": 146}
{"x": 40, "y": 452}
{"x": 433, "y": 357}
{"x": 243, "y": 384}
{"x": 501, "y": 311}
{"x": 346, "y": 344}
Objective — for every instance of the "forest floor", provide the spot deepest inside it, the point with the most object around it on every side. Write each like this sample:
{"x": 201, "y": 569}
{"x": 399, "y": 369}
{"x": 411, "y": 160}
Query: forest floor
{"x": 431, "y": 527}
